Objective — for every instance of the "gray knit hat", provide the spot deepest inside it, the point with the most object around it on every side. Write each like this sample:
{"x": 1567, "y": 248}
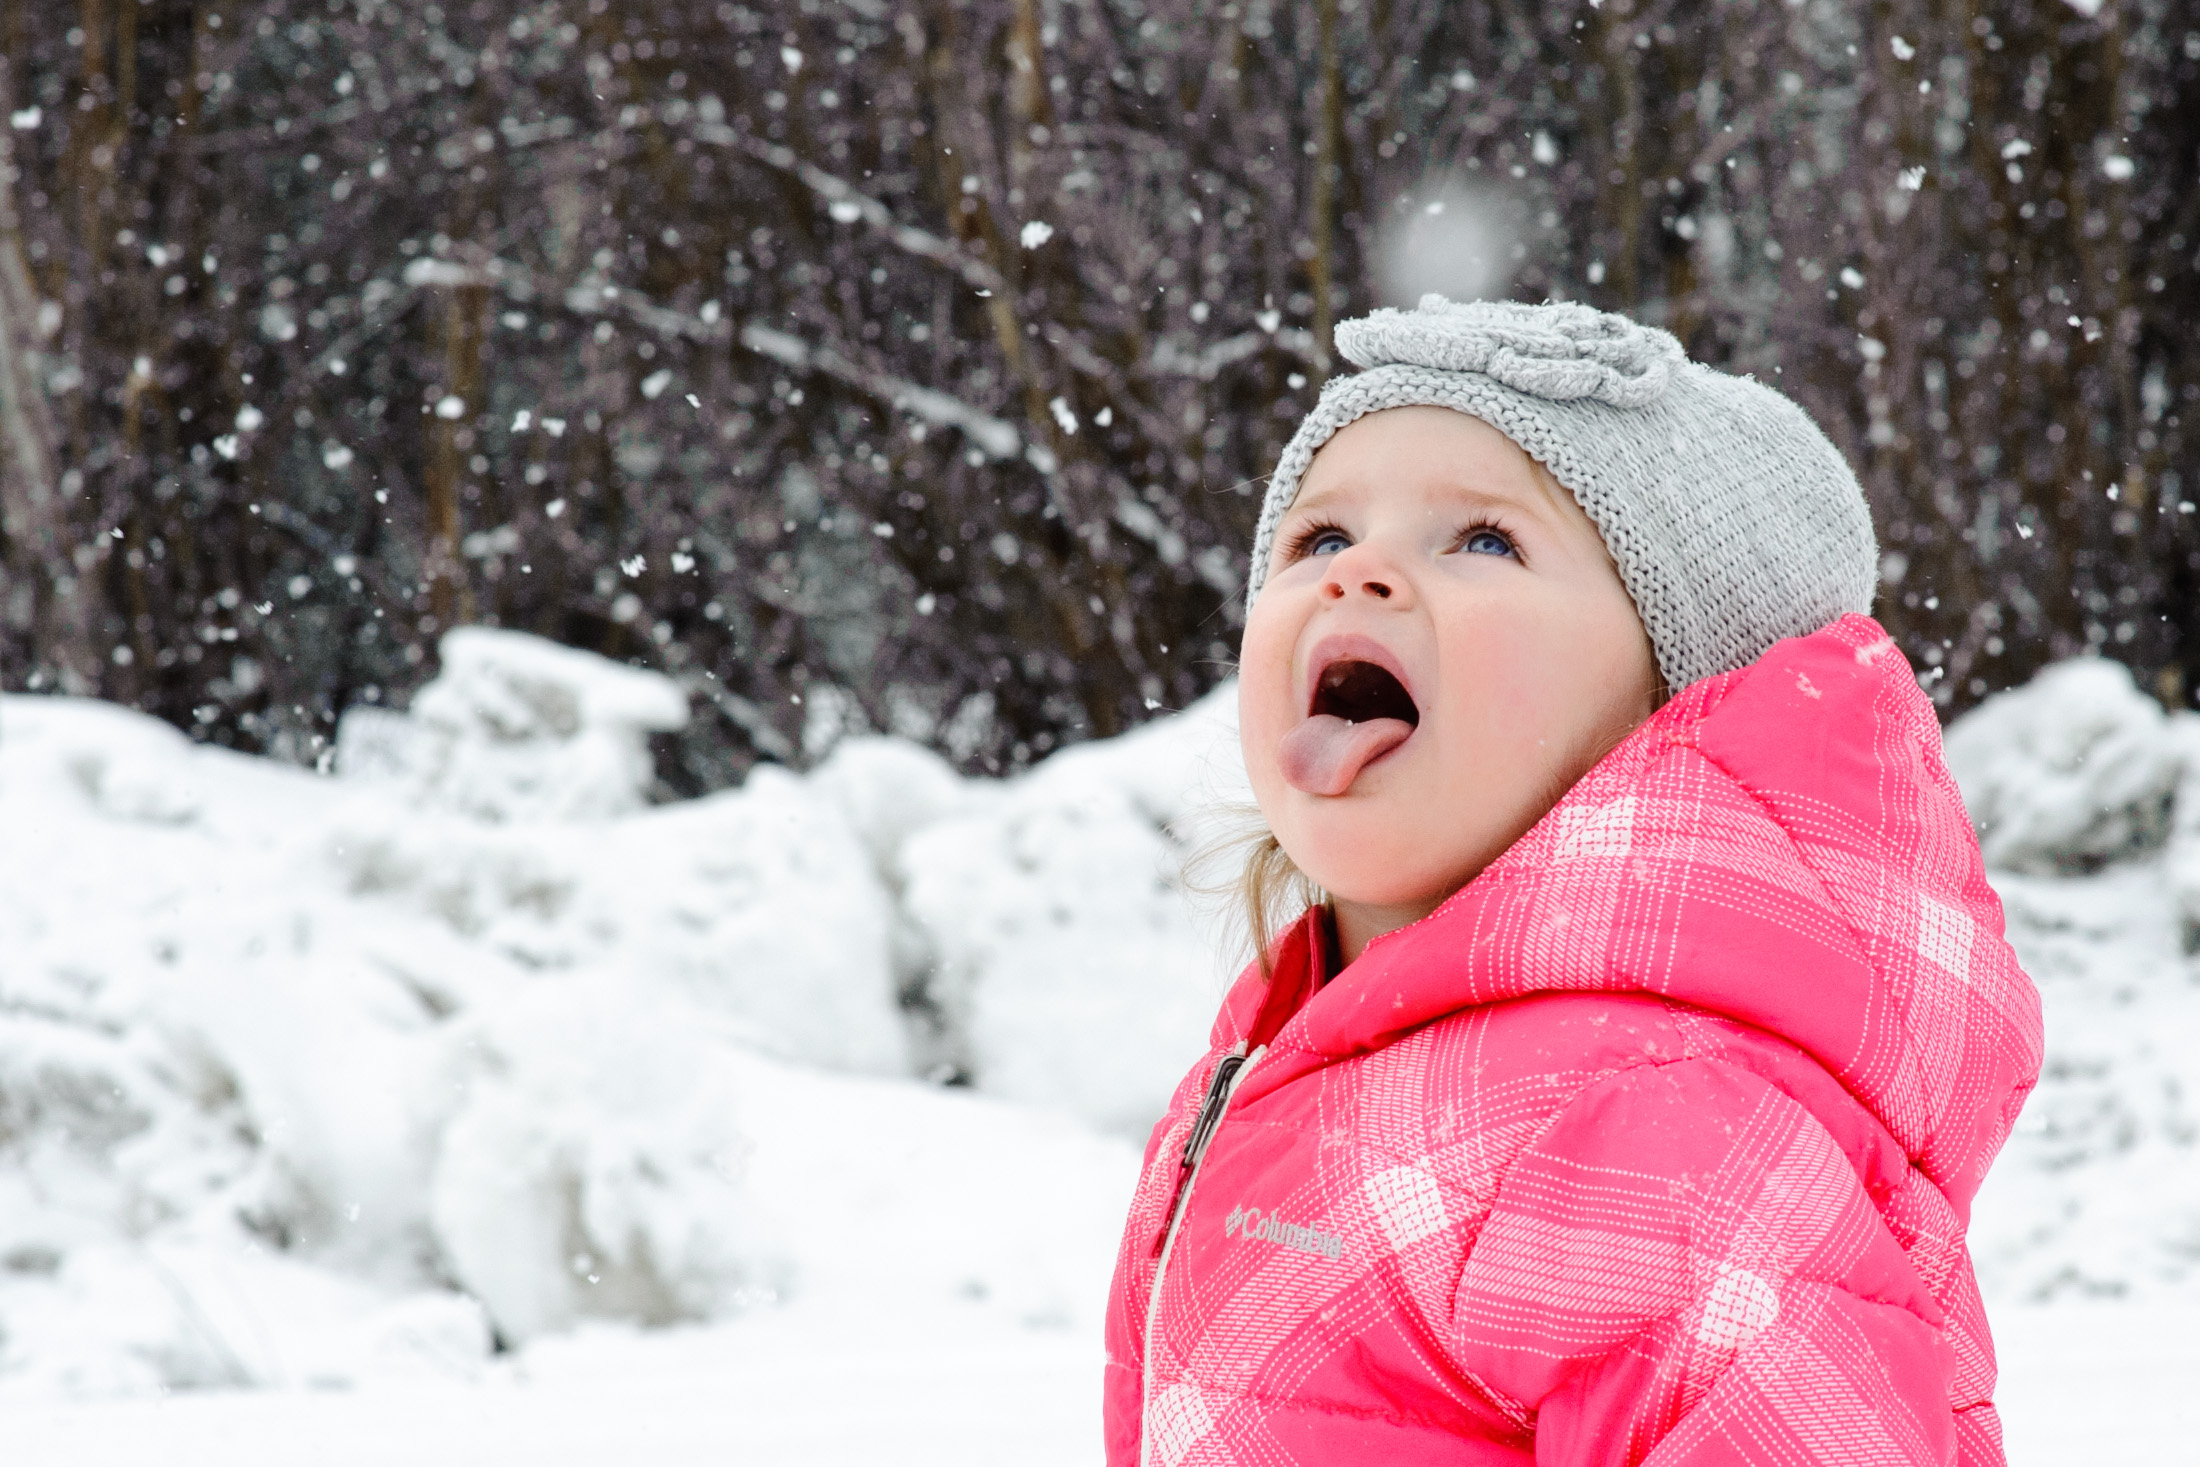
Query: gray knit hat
{"x": 1733, "y": 521}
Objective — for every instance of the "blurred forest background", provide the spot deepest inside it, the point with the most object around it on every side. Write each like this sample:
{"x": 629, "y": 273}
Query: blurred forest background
{"x": 915, "y": 364}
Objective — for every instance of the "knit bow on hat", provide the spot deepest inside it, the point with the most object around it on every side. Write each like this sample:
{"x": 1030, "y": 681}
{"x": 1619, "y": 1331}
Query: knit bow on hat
{"x": 1732, "y": 520}
{"x": 1561, "y": 352}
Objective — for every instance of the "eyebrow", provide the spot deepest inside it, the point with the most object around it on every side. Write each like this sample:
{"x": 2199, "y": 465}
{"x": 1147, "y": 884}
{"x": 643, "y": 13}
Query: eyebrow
{"x": 1541, "y": 504}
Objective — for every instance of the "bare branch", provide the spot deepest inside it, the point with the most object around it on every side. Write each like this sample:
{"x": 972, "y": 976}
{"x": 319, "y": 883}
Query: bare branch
{"x": 849, "y": 204}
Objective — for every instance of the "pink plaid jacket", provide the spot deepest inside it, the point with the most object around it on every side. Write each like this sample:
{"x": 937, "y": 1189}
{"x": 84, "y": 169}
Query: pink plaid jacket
{"x": 1655, "y": 1143}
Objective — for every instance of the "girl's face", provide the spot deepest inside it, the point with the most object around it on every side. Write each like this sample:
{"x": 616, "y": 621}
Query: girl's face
{"x": 1442, "y": 647}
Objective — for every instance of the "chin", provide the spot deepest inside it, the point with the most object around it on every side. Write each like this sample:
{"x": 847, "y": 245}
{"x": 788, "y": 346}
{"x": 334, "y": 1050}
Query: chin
{"x": 1362, "y": 867}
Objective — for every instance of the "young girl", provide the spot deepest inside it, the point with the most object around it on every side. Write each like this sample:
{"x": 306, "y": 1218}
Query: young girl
{"x": 1624, "y": 1098}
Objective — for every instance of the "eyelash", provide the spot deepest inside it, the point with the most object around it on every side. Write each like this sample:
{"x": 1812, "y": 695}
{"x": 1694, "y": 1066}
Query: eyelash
{"x": 1302, "y": 543}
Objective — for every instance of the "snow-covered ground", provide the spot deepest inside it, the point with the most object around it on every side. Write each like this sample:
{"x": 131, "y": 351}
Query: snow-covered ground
{"x": 2082, "y": 1383}
{"x": 462, "y": 1106}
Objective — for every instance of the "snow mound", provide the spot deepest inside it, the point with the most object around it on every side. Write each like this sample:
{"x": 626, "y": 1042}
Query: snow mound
{"x": 2079, "y": 769}
{"x": 761, "y": 904}
{"x": 514, "y": 727}
{"x": 2086, "y": 798}
{"x": 2075, "y": 769}
{"x": 474, "y": 1026}
{"x": 132, "y": 768}
{"x": 139, "y": 1318}
{"x": 1055, "y": 909}
{"x": 2097, "y": 1194}
{"x": 889, "y": 789}
{"x": 650, "y": 1167}
{"x": 593, "y": 1168}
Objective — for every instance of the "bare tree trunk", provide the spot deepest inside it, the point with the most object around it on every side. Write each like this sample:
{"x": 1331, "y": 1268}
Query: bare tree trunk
{"x": 46, "y": 603}
{"x": 1027, "y": 87}
{"x": 1329, "y": 123}
{"x": 450, "y": 596}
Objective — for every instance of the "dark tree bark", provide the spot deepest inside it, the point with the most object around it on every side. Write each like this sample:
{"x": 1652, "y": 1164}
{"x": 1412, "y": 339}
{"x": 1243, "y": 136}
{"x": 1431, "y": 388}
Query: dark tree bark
{"x": 47, "y": 603}
{"x": 917, "y": 367}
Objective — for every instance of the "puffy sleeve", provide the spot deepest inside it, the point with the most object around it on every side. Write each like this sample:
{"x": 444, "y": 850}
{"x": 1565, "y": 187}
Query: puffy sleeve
{"x": 1685, "y": 1268}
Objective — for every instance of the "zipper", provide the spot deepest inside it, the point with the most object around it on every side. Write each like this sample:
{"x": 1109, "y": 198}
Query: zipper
{"x": 1203, "y": 1131}
{"x": 1229, "y": 1074}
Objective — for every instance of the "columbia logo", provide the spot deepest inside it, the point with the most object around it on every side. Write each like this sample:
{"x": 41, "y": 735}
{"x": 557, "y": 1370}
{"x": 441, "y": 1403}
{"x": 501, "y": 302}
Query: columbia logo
{"x": 1251, "y": 1222}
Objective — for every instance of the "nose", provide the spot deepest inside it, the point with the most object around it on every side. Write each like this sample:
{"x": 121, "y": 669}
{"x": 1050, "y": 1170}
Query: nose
{"x": 1361, "y": 570}
{"x": 1337, "y": 590}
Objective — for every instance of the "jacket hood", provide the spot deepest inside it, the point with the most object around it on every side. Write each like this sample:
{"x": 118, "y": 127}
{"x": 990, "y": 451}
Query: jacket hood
{"x": 1781, "y": 845}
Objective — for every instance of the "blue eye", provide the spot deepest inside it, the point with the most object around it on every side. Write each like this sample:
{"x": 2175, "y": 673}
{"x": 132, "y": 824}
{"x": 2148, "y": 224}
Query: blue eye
{"x": 1326, "y": 542}
{"x": 1487, "y": 542}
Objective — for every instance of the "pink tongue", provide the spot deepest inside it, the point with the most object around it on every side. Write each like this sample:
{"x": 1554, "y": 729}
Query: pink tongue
{"x": 1323, "y": 755}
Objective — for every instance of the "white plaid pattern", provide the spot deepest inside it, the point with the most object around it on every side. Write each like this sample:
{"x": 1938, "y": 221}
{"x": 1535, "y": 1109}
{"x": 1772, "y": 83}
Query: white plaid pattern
{"x": 1596, "y": 830}
{"x": 1176, "y": 1420}
{"x": 1408, "y": 1204}
{"x": 1944, "y": 936}
{"x": 1738, "y": 1309}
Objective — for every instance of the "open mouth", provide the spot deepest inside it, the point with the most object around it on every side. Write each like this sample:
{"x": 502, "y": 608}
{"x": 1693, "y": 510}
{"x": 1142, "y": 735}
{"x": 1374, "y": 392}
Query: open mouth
{"x": 1358, "y": 712}
{"x": 1360, "y": 692}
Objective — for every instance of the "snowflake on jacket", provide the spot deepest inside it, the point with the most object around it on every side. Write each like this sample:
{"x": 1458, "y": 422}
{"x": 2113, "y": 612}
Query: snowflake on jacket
{"x": 1654, "y": 1144}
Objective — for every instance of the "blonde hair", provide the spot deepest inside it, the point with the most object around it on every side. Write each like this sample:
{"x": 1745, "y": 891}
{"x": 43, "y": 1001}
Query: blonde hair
{"x": 1245, "y": 869}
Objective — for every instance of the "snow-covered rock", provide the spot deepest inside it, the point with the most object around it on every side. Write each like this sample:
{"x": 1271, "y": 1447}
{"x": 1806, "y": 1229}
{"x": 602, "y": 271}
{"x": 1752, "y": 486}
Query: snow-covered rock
{"x": 2072, "y": 770}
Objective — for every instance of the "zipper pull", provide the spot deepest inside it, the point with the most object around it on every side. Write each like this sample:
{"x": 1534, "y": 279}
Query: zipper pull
{"x": 1203, "y": 1131}
{"x": 1210, "y": 1110}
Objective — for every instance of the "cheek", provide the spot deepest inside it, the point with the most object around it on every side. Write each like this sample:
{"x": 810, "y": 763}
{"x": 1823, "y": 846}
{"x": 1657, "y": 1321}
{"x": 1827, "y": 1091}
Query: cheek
{"x": 1265, "y": 711}
{"x": 1533, "y": 683}
{"x": 1498, "y": 682}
